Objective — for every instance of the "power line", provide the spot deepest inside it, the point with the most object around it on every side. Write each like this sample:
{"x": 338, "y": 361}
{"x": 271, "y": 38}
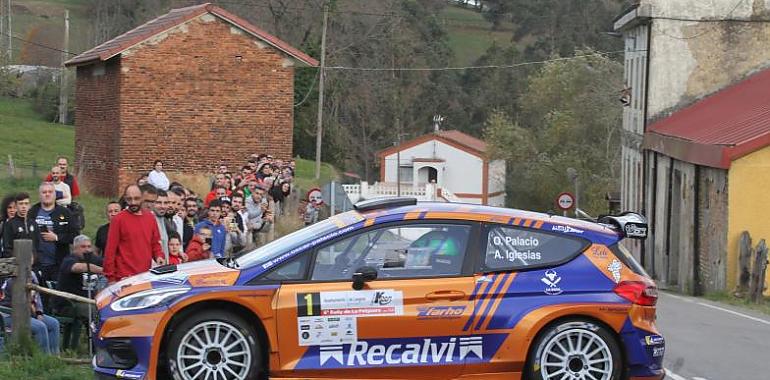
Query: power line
{"x": 697, "y": 35}
{"x": 482, "y": 67}
{"x": 38, "y": 44}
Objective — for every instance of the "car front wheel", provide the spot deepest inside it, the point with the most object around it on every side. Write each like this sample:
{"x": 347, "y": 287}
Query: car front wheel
{"x": 213, "y": 344}
{"x": 576, "y": 350}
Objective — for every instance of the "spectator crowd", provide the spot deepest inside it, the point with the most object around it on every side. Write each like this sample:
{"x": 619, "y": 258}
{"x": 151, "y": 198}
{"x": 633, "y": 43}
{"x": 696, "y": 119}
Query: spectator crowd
{"x": 156, "y": 221}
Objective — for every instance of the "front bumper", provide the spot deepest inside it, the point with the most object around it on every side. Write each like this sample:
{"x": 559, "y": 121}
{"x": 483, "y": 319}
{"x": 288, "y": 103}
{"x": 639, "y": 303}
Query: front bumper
{"x": 122, "y": 358}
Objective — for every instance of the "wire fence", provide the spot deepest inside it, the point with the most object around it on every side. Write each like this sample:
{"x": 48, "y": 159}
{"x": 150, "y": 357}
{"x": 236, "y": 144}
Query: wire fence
{"x": 17, "y": 171}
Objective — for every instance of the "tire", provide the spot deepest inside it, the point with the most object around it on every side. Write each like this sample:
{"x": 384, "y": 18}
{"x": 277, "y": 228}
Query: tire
{"x": 557, "y": 353}
{"x": 213, "y": 341}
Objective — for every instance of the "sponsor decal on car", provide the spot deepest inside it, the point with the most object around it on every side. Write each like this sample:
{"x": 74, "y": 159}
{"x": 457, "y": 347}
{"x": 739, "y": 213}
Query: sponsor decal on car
{"x": 635, "y": 231}
{"x": 653, "y": 340}
{"x": 404, "y": 352}
{"x": 440, "y": 312}
{"x": 615, "y": 268}
{"x": 123, "y": 374}
{"x": 567, "y": 229}
{"x": 552, "y": 280}
{"x": 599, "y": 252}
{"x": 317, "y": 331}
{"x": 351, "y": 303}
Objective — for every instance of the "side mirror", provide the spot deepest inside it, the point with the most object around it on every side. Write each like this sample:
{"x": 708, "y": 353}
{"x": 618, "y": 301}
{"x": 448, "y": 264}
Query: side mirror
{"x": 362, "y": 276}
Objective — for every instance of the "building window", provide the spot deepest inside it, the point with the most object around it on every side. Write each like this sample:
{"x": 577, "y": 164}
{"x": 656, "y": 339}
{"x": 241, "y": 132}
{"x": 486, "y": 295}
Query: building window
{"x": 406, "y": 174}
{"x": 98, "y": 70}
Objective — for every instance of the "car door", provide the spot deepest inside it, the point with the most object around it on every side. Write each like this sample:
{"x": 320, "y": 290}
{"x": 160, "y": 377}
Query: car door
{"x": 407, "y": 323}
{"x": 519, "y": 270}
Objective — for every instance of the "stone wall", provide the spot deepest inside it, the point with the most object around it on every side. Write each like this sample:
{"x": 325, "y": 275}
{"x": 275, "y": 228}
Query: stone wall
{"x": 690, "y": 60}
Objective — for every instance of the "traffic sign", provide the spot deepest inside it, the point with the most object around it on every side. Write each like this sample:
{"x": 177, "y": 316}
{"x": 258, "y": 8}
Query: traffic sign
{"x": 565, "y": 201}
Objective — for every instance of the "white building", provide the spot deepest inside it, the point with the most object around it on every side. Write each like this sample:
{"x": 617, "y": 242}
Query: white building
{"x": 456, "y": 162}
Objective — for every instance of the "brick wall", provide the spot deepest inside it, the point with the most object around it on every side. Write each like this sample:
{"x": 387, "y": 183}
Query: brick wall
{"x": 200, "y": 94}
{"x": 97, "y": 126}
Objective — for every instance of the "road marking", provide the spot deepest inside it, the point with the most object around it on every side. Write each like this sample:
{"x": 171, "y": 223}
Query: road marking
{"x": 719, "y": 308}
{"x": 698, "y": 378}
{"x": 673, "y": 375}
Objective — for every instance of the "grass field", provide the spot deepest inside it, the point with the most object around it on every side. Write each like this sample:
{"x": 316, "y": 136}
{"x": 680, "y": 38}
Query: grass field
{"x": 470, "y": 35}
{"x": 34, "y": 145}
{"x": 42, "y": 367}
{"x": 763, "y": 307}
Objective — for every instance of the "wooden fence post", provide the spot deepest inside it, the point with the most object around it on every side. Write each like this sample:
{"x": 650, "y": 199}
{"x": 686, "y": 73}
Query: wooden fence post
{"x": 20, "y": 336}
{"x": 758, "y": 272}
{"x": 744, "y": 264}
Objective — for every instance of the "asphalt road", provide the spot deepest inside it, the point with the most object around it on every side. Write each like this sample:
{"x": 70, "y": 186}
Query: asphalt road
{"x": 712, "y": 341}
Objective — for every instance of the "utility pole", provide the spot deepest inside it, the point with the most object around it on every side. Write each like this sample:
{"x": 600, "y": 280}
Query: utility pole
{"x": 63, "y": 90}
{"x": 10, "y": 33}
{"x": 398, "y": 157}
{"x": 319, "y": 125}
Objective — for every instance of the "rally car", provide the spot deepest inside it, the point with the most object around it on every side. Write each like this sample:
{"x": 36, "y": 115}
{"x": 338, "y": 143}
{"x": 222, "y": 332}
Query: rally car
{"x": 397, "y": 290}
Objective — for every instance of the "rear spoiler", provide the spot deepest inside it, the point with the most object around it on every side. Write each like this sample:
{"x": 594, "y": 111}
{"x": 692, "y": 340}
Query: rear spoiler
{"x": 630, "y": 224}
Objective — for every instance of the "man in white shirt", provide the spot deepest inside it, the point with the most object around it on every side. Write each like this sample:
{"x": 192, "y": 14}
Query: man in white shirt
{"x": 157, "y": 177}
{"x": 63, "y": 191}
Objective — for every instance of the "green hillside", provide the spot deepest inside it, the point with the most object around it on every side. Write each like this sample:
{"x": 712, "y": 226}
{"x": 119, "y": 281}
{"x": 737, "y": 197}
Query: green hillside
{"x": 470, "y": 35}
{"x": 33, "y": 145}
{"x": 41, "y": 21}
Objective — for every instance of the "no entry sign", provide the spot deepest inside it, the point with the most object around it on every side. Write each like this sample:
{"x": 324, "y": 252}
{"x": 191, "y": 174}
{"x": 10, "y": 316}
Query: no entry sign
{"x": 565, "y": 201}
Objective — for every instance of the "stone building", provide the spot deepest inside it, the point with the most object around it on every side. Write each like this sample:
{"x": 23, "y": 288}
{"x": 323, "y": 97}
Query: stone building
{"x": 183, "y": 88}
{"x": 679, "y": 52}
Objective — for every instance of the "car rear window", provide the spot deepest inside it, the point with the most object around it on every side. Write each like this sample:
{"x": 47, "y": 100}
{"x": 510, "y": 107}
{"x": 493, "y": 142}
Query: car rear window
{"x": 628, "y": 259}
{"x": 511, "y": 248}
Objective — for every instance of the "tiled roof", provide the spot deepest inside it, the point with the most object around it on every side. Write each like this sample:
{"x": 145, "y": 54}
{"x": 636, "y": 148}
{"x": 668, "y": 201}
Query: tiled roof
{"x": 174, "y": 18}
{"x": 463, "y": 139}
{"x": 718, "y": 129}
{"x": 456, "y": 138}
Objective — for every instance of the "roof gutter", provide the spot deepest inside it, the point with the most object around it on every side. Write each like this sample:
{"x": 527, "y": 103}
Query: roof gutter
{"x": 715, "y": 156}
{"x": 637, "y": 15}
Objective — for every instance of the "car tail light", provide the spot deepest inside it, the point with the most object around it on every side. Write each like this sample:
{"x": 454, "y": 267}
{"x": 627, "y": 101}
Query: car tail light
{"x": 638, "y": 292}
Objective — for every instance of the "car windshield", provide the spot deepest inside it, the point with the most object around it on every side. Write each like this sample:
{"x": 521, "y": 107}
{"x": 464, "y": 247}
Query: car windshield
{"x": 284, "y": 244}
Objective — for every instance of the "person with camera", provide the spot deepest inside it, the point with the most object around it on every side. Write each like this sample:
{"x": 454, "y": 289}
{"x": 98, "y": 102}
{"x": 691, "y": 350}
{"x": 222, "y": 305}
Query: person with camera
{"x": 78, "y": 275}
{"x": 200, "y": 245}
{"x": 214, "y": 223}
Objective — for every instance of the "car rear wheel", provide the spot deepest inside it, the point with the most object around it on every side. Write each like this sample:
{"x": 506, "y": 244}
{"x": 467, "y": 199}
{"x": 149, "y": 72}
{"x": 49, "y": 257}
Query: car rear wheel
{"x": 213, "y": 345}
{"x": 576, "y": 350}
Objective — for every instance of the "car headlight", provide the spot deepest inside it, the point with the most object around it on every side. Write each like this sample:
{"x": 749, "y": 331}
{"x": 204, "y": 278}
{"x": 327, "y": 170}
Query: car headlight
{"x": 148, "y": 298}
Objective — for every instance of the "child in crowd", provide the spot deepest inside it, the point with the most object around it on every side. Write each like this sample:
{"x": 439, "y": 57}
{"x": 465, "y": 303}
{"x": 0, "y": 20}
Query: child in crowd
{"x": 200, "y": 245}
{"x": 175, "y": 254}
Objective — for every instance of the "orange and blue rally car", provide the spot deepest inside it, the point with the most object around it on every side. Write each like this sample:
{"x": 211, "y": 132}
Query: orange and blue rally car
{"x": 397, "y": 290}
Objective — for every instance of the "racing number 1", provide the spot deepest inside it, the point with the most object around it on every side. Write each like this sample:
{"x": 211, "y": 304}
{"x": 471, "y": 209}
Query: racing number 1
{"x": 308, "y": 304}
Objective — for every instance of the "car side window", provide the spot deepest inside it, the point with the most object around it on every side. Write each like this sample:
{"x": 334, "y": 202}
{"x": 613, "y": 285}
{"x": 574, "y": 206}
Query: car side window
{"x": 294, "y": 270}
{"x": 407, "y": 251}
{"x": 511, "y": 248}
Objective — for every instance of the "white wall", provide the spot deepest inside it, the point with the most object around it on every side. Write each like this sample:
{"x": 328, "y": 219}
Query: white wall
{"x": 463, "y": 171}
{"x": 690, "y": 59}
{"x": 497, "y": 181}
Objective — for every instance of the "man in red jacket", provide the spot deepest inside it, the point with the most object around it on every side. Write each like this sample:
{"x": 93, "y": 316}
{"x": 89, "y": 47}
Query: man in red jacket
{"x": 133, "y": 241}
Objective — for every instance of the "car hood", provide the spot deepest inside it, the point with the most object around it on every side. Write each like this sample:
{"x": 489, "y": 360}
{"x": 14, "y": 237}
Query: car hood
{"x": 196, "y": 274}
